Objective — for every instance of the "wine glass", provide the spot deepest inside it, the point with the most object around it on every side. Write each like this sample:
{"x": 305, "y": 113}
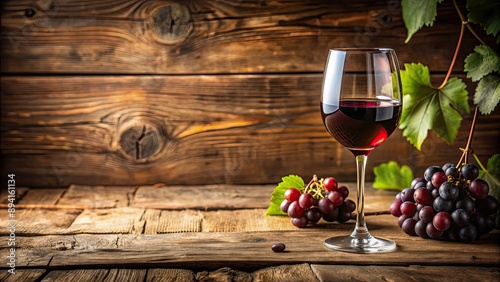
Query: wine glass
{"x": 361, "y": 103}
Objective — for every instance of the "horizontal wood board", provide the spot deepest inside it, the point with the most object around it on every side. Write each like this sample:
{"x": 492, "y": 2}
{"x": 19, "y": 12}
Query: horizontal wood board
{"x": 136, "y": 92}
{"x": 283, "y": 273}
{"x": 188, "y": 37}
{"x": 229, "y": 129}
{"x": 215, "y": 236}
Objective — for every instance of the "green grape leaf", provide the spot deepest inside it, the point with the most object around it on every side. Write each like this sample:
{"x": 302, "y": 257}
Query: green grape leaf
{"x": 277, "y": 197}
{"x": 487, "y": 93}
{"x": 481, "y": 62}
{"x": 487, "y": 14}
{"x": 389, "y": 176}
{"x": 492, "y": 176}
{"x": 428, "y": 108}
{"x": 416, "y": 14}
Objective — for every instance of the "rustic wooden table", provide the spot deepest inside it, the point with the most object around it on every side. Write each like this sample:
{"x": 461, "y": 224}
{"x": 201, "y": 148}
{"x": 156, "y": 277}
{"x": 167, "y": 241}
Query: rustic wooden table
{"x": 213, "y": 233}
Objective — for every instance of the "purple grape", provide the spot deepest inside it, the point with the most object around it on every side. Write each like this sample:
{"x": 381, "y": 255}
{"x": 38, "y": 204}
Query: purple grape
{"x": 429, "y": 172}
{"x": 447, "y": 165}
{"x": 395, "y": 208}
{"x": 407, "y": 194}
{"x": 343, "y": 191}
{"x": 300, "y": 222}
{"x": 479, "y": 188}
{"x": 344, "y": 216}
{"x": 294, "y": 210}
{"x": 408, "y": 208}
{"x": 423, "y": 196}
{"x": 409, "y": 226}
{"x": 460, "y": 217}
{"x": 426, "y": 214}
{"x": 349, "y": 205}
{"x": 490, "y": 225}
{"x": 441, "y": 204}
{"x": 278, "y": 247}
{"x": 470, "y": 172}
{"x": 401, "y": 219}
{"x": 442, "y": 221}
{"x": 416, "y": 180}
{"x": 325, "y": 206}
{"x": 313, "y": 215}
{"x": 306, "y": 200}
{"x": 467, "y": 233}
{"x": 438, "y": 178}
{"x": 449, "y": 191}
{"x": 433, "y": 232}
{"x": 420, "y": 229}
{"x": 397, "y": 197}
{"x": 479, "y": 221}
{"x": 488, "y": 205}
{"x": 336, "y": 198}
{"x": 465, "y": 203}
{"x": 332, "y": 216}
{"x": 284, "y": 206}
{"x": 452, "y": 172}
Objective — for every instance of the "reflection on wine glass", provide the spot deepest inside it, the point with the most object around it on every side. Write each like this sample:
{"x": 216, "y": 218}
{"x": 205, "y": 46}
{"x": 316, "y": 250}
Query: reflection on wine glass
{"x": 361, "y": 104}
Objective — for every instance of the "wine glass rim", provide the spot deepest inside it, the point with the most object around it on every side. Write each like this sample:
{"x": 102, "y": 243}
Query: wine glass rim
{"x": 364, "y": 49}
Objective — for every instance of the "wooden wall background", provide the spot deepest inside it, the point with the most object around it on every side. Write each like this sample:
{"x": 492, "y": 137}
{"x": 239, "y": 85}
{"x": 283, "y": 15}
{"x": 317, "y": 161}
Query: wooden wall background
{"x": 125, "y": 92}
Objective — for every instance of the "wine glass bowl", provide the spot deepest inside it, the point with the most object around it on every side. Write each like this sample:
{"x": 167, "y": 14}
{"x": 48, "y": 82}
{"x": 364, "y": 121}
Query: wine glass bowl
{"x": 361, "y": 105}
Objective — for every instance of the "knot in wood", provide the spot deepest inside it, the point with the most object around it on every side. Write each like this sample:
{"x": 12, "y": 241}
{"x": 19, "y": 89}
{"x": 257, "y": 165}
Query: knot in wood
{"x": 172, "y": 24}
{"x": 140, "y": 141}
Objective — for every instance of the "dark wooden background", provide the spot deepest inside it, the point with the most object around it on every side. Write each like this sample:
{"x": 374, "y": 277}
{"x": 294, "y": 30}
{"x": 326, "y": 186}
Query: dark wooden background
{"x": 130, "y": 92}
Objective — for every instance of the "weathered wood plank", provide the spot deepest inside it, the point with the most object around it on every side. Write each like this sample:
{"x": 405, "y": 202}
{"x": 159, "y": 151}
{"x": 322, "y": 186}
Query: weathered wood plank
{"x": 42, "y": 197}
{"x": 96, "y": 130}
{"x": 177, "y": 37}
{"x": 77, "y": 275}
{"x": 119, "y": 220}
{"x": 224, "y": 274}
{"x": 207, "y": 197}
{"x": 157, "y": 222}
{"x": 97, "y": 196}
{"x": 23, "y": 275}
{"x": 283, "y": 273}
{"x": 170, "y": 275}
{"x": 397, "y": 273}
{"x": 245, "y": 250}
{"x": 19, "y": 193}
{"x": 244, "y": 221}
{"x": 36, "y": 221}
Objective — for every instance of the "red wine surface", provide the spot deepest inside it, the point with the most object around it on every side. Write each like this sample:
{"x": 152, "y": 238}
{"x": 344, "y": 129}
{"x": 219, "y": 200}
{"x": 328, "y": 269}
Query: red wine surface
{"x": 361, "y": 125}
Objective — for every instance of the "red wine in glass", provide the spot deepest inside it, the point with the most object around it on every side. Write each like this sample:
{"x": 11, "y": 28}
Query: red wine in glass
{"x": 361, "y": 124}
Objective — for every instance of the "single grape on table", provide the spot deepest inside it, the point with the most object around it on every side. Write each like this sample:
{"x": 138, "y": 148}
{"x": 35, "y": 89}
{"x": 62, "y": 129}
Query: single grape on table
{"x": 449, "y": 203}
{"x": 320, "y": 199}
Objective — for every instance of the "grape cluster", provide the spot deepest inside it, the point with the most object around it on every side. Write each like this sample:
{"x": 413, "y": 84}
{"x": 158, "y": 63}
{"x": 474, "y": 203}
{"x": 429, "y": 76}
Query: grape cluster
{"x": 449, "y": 203}
{"x": 322, "y": 198}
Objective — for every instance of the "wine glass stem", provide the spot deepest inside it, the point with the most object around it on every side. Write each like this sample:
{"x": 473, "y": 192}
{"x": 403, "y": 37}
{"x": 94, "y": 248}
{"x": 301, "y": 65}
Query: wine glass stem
{"x": 360, "y": 231}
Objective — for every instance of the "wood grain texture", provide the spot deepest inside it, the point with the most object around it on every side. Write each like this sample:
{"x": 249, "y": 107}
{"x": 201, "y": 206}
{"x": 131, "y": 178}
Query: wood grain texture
{"x": 97, "y": 196}
{"x": 179, "y": 37}
{"x": 208, "y": 197}
{"x": 397, "y": 273}
{"x": 28, "y": 275}
{"x": 170, "y": 275}
{"x": 243, "y": 129}
{"x": 213, "y": 250}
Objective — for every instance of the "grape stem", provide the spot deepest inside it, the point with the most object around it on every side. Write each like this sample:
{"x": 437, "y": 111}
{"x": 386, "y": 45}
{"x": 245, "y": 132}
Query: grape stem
{"x": 450, "y": 69}
{"x": 314, "y": 187}
{"x": 465, "y": 22}
{"x": 463, "y": 158}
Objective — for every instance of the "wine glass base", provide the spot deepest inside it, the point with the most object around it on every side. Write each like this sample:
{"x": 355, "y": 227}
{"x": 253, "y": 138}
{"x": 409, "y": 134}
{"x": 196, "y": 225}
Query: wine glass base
{"x": 360, "y": 245}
